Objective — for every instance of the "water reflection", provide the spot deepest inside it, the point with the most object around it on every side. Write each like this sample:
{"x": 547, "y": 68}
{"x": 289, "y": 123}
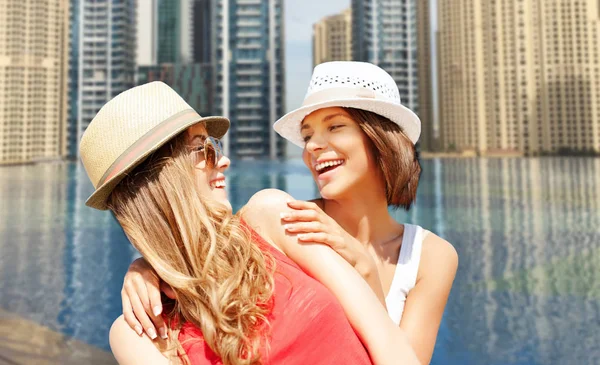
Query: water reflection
{"x": 527, "y": 232}
{"x": 61, "y": 262}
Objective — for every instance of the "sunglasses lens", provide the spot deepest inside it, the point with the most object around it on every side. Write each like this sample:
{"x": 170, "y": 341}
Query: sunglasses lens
{"x": 210, "y": 154}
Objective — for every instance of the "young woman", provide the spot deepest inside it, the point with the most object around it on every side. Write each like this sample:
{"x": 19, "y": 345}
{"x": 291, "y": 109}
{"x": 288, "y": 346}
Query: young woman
{"x": 359, "y": 144}
{"x": 239, "y": 298}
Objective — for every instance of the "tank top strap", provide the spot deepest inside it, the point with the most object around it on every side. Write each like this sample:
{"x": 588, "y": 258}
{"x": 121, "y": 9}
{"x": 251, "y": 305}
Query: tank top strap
{"x": 405, "y": 275}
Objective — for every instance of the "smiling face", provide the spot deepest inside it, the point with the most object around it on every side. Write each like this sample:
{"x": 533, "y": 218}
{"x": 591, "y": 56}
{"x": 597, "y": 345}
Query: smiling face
{"x": 338, "y": 154}
{"x": 209, "y": 180}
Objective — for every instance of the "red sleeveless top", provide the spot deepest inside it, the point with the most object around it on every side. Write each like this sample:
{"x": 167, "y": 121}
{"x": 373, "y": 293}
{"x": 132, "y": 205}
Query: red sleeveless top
{"x": 308, "y": 324}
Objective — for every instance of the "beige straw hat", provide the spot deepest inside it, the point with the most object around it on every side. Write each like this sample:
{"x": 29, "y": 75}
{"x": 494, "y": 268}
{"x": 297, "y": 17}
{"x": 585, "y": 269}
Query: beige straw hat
{"x": 350, "y": 84}
{"x": 129, "y": 128}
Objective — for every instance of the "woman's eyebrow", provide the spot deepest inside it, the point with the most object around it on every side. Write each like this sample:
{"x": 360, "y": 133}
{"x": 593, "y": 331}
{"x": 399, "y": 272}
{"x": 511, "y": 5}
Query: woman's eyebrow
{"x": 331, "y": 116}
{"x": 326, "y": 119}
{"x": 198, "y": 138}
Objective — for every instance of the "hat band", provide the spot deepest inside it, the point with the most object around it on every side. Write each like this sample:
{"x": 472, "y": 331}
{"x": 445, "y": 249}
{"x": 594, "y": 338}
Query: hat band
{"x": 340, "y": 93}
{"x": 148, "y": 140}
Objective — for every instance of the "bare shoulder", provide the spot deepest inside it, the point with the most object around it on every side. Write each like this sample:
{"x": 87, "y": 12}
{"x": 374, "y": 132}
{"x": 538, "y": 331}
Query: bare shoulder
{"x": 268, "y": 201}
{"x": 265, "y": 207}
{"x": 438, "y": 255}
{"x": 263, "y": 214}
{"x": 129, "y": 348}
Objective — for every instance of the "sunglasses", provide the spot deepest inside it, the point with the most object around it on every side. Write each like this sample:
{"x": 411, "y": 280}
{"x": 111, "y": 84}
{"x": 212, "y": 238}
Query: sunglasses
{"x": 213, "y": 151}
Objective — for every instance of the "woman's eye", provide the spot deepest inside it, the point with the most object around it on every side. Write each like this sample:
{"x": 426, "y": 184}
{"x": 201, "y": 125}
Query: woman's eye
{"x": 337, "y": 126}
{"x": 306, "y": 138}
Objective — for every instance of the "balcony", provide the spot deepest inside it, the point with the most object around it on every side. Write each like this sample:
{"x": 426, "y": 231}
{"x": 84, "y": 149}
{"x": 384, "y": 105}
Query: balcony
{"x": 250, "y": 128}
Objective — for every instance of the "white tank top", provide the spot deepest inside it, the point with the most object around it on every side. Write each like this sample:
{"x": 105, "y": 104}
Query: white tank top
{"x": 405, "y": 275}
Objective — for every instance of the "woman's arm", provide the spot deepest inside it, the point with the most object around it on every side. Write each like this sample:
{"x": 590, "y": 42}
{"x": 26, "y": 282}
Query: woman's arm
{"x": 425, "y": 303}
{"x": 311, "y": 224}
{"x": 386, "y": 342}
{"x": 130, "y": 349}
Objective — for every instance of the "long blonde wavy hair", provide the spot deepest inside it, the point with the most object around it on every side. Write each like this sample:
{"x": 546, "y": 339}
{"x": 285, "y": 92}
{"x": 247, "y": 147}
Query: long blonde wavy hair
{"x": 222, "y": 280}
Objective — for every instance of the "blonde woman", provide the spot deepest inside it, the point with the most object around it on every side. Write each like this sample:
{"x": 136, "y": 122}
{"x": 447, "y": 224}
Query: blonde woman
{"x": 240, "y": 299}
{"x": 358, "y": 142}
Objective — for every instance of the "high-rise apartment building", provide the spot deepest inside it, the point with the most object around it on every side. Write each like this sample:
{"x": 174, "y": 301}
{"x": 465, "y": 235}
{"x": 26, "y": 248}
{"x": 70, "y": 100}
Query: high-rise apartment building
{"x": 249, "y": 75}
{"x": 428, "y": 140}
{"x": 33, "y": 80}
{"x": 147, "y": 33}
{"x": 102, "y": 63}
{"x": 384, "y": 32}
{"x": 175, "y": 31}
{"x": 332, "y": 38}
{"x": 193, "y": 81}
{"x": 202, "y": 30}
{"x": 520, "y": 76}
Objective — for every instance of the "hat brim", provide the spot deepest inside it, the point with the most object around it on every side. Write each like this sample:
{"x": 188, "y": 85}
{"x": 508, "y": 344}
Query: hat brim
{"x": 215, "y": 126}
{"x": 288, "y": 126}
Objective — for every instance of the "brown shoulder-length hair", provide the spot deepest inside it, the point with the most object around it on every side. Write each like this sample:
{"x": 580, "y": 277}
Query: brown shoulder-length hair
{"x": 223, "y": 282}
{"x": 396, "y": 155}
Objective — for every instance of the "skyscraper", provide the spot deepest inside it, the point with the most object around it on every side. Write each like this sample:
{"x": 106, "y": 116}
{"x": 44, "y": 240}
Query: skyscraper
{"x": 147, "y": 29}
{"x": 202, "y": 30}
{"x": 427, "y": 141}
{"x": 33, "y": 79}
{"x": 193, "y": 81}
{"x": 332, "y": 38}
{"x": 384, "y": 32}
{"x": 520, "y": 76}
{"x": 103, "y": 36}
{"x": 249, "y": 60}
{"x": 174, "y": 31}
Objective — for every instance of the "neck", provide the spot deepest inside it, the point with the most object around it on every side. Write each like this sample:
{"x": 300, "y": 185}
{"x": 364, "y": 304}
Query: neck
{"x": 364, "y": 215}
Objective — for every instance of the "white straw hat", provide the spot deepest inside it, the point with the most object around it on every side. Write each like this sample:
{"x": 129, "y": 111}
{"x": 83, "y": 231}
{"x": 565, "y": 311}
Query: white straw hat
{"x": 129, "y": 128}
{"x": 357, "y": 85}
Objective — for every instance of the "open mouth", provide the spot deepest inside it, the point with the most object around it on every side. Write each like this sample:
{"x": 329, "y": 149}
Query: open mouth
{"x": 327, "y": 166}
{"x": 217, "y": 184}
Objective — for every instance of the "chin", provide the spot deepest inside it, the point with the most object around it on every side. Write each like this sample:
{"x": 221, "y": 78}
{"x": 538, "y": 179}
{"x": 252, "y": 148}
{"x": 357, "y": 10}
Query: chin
{"x": 331, "y": 192}
{"x": 221, "y": 197}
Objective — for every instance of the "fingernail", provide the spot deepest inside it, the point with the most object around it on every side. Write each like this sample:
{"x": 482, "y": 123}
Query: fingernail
{"x": 138, "y": 329}
{"x": 157, "y": 310}
{"x": 301, "y": 236}
{"x": 284, "y": 215}
{"x": 287, "y": 227}
{"x": 163, "y": 333}
{"x": 151, "y": 332}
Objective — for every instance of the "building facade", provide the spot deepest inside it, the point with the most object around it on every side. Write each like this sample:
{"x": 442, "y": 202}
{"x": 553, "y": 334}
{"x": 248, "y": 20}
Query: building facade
{"x": 384, "y": 32}
{"x": 33, "y": 80}
{"x": 332, "y": 38}
{"x": 520, "y": 76}
{"x": 248, "y": 55}
{"x": 428, "y": 140}
{"x": 103, "y": 47}
{"x": 192, "y": 81}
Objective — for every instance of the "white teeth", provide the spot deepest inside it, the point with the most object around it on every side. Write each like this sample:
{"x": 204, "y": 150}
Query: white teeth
{"x": 323, "y": 165}
{"x": 218, "y": 184}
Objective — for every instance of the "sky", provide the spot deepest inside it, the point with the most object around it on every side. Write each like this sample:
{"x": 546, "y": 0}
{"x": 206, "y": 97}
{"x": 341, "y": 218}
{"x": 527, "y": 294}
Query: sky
{"x": 300, "y": 15}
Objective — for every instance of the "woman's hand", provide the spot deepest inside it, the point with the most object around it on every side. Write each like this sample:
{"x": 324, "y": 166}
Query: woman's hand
{"x": 142, "y": 305}
{"x": 311, "y": 224}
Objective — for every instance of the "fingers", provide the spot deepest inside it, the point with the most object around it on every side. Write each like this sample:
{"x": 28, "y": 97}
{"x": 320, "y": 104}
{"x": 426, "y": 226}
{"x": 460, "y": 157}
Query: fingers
{"x": 139, "y": 311}
{"x": 300, "y": 215}
{"x": 318, "y": 237}
{"x": 304, "y": 227}
{"x": 303, "y": 204}
{"x": 128, "y": 313}
{"x": 156, "y": 305}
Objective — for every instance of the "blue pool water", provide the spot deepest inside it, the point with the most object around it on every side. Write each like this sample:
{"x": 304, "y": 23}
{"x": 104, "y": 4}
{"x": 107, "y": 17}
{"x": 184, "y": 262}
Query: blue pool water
{"x": 527, "y": 232}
